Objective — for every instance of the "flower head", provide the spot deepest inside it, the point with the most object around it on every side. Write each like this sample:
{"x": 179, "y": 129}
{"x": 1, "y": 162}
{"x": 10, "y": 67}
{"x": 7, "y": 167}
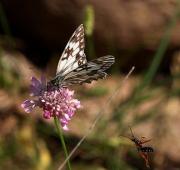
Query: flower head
{"x": 54, "y": 102}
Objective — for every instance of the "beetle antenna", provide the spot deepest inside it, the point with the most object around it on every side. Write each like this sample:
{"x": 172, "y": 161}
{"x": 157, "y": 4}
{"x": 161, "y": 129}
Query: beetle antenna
{"x": 131, "y": 132}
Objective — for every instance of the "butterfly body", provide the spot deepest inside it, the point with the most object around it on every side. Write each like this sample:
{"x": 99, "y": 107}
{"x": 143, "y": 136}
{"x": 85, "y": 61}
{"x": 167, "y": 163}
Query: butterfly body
{"x": 73, "y": 67}
{"x": 56, "y": 81}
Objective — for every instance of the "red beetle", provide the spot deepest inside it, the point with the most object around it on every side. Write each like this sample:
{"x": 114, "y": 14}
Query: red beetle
{"x": 143, "y": 150}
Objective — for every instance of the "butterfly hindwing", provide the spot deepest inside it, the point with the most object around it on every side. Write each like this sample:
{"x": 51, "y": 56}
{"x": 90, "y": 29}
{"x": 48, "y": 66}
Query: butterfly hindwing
{"x": 73, "y": 55}
{"x": 90, "y": 71}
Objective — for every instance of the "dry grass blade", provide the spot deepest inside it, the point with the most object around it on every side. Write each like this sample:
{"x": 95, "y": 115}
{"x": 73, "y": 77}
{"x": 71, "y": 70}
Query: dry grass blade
{"x": 99, "y": 114}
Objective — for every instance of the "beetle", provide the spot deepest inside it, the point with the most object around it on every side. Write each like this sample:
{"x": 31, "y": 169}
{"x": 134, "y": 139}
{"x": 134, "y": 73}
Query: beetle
{"x": 143, "y": 150}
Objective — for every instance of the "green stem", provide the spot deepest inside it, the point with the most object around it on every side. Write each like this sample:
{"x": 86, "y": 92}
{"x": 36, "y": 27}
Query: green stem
{"x": 59, "y": 130}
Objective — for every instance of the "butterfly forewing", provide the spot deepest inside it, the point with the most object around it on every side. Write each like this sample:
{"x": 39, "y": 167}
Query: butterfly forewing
{"x": 73, "y": 55}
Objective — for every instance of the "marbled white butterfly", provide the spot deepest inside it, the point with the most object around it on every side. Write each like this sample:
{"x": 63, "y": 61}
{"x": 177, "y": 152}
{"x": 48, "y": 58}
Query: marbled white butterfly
{"x": 73, "y": 67}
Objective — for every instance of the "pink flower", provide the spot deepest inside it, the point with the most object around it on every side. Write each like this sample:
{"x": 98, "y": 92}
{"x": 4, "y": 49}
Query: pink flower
{"x": 54, "y": 102}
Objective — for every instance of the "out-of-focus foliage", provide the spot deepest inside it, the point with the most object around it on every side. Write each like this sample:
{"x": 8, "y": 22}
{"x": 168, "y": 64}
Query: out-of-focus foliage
{"x": 89, "y": 20}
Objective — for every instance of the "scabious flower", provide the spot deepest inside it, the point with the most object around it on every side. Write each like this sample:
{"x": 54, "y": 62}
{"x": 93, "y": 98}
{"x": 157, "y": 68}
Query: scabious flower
{"x": 57, "y": 102}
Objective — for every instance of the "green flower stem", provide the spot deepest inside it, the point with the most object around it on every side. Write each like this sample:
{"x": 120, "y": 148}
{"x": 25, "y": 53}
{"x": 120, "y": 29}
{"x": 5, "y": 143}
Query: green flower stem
{"x": 59, "y": 130}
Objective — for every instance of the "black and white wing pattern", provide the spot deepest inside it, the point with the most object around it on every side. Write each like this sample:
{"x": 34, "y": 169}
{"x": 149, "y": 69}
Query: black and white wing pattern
{"x": 73, "y": 67}
{"x": 90, "y": 71}
{"x": 73, "y": 55}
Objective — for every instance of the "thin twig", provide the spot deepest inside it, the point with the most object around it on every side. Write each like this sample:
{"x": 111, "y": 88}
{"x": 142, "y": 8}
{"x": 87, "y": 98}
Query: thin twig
{"x": 99, "y": 114}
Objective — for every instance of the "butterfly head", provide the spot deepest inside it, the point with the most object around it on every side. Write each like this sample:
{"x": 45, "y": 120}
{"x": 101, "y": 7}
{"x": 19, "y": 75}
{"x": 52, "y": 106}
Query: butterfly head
{"x": 53, "y": 84}
{"x": 56, "y": 82}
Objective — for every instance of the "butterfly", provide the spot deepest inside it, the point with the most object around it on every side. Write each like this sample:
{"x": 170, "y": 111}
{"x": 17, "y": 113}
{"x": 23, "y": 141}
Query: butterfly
{"x": 73, "y": 67}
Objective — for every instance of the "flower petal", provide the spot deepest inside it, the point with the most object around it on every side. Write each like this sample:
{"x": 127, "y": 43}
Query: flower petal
{"x": 43, "y": 81}
{"x": 65, "y": 128}
{"x": 28, "y": 105}
{"x": 47, "y": 114}
{"x": 54, "y": 101}
{"x": 37, "y": 87}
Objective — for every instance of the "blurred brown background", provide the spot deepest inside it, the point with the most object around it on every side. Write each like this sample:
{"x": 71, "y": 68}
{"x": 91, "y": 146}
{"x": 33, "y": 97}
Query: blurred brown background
{"x": 144, "y": 34}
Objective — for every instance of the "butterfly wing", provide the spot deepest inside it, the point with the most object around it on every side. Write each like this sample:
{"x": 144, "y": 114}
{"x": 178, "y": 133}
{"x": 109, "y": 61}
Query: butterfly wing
{"x": 90, "y": 71}
{"x": 73, "y": 67}
{"x": 73, "y": 55}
